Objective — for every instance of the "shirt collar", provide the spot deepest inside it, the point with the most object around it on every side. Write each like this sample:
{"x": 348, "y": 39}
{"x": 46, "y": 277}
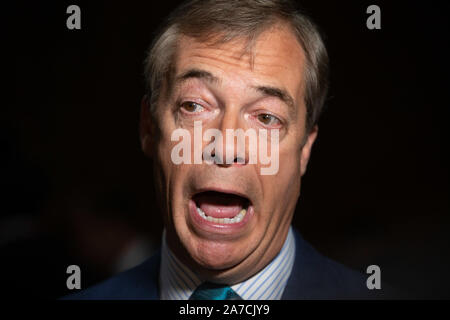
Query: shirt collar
{"x": 178, "y": 282}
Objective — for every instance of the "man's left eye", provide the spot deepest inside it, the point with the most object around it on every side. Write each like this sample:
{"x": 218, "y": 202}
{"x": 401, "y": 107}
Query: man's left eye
{"x": 192, "y": 107}
{"x": 268, "y": 119}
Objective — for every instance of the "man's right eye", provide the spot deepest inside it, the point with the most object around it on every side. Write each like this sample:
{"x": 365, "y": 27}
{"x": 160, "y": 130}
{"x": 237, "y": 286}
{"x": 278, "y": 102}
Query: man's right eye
{"x": 191, "y": 107}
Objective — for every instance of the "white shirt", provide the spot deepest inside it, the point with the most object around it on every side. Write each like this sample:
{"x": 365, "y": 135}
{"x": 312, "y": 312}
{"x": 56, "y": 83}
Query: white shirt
{"x": 178, "y": 282}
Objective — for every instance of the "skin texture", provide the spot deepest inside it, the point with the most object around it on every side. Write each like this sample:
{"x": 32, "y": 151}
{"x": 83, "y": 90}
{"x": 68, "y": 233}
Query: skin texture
{"x": 231, "y": 100}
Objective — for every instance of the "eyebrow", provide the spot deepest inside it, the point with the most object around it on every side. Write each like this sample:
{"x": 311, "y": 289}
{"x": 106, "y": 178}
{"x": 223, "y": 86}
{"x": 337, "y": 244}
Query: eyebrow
{"x": 196, "y": 74}
{"x": 281, "y": 94}
{"x": 268, "y": 91}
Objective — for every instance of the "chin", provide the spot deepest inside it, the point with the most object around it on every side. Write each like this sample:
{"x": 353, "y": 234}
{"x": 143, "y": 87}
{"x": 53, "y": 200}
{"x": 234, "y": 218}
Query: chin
{"x": 218, "y": 256}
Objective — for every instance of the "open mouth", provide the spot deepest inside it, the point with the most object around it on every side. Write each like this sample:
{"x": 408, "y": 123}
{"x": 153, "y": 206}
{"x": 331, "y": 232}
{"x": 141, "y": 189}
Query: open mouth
{"x": 221, "y": 207}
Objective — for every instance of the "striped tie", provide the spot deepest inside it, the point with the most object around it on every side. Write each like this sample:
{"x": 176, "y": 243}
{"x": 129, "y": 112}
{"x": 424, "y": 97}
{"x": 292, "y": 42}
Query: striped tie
{"x": 212, "y": 291}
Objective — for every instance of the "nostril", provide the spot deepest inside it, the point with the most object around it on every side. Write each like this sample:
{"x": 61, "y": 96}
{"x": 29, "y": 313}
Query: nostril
{"x": 209, "y": 157}
{"x": 213, "y": 158}
{"x": 239, "y": 160}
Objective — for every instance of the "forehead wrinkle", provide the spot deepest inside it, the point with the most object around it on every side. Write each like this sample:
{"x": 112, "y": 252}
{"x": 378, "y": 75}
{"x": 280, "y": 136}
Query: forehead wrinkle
{"x": 259, "y": 62}
{"x": 227, "y": 60}
{"x": 236, "y": 53}
{"x": 222, "y": 64}
{"x": 196, "y": 73}
{"x": 255, "y": 60}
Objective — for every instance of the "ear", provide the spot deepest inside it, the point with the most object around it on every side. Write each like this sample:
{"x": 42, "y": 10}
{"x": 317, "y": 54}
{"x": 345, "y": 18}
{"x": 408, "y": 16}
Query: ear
{"x": 306, "y": 150}
{"x": 146, "y": 127}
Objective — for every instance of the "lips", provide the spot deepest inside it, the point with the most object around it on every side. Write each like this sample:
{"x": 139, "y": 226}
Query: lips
{"x": 220, "y": 207}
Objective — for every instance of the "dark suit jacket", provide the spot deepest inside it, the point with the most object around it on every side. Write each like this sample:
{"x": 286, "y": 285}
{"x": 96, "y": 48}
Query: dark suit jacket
{"x": 313, "y": 277}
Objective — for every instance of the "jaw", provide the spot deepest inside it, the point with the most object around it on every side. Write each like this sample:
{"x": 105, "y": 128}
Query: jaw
{"x": 213, "y": 246}
{"x": 221, "y": 224}
{"x": 224, "y": 252}
{"x": 229, "y": 261}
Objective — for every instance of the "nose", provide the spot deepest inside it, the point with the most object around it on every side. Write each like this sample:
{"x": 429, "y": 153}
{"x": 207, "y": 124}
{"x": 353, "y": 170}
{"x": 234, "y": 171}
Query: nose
{"x": 232, "y": 151}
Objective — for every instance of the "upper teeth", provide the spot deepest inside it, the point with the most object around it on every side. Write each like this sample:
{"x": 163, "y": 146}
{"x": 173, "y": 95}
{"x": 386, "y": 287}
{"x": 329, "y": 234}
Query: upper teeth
{"x": 236, "y": 219}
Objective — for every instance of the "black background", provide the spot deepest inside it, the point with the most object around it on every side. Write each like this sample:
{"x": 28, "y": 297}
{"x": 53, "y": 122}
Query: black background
{"x": 376, "y": 190}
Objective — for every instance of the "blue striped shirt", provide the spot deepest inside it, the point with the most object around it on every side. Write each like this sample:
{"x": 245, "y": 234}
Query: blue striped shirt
{"x": 178, "y": 282}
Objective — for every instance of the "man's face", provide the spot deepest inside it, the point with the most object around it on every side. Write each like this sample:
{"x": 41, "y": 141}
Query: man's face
{"x": 221, "y": 87}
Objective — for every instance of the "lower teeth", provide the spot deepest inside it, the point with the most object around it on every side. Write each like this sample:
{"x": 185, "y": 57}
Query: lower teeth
{"x": 236, "y": 219}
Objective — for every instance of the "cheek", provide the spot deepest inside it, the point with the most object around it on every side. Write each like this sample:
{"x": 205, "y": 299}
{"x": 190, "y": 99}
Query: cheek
{"x": 166, "y": 145}
{"x": 165, "y": 168}
{"x": 286, "y": 183}
{"x": 280, "y": 193}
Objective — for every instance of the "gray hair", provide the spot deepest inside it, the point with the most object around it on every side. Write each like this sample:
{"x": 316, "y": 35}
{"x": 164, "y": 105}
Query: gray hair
{"x": 229, "y": 19}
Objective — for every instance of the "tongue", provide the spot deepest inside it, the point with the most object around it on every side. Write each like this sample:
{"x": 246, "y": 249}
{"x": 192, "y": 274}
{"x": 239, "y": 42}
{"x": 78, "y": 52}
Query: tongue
{"x": 220, "y": 205}
{"x": 216, "y": 211}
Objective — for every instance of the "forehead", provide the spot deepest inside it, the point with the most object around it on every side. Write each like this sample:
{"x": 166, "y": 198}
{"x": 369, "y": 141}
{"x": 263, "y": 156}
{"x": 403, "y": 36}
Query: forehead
{"x": 276, "y": 58}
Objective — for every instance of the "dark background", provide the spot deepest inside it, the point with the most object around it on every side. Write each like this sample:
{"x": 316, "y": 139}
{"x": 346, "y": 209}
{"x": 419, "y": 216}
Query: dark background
{"x": 75, "y": 186}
